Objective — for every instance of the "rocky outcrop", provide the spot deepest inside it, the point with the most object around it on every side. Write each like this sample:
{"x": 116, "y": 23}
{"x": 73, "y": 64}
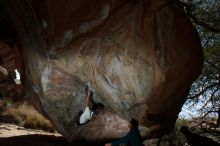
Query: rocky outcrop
{"x": 10, "y": 59}
{"x": 140, "y": 58}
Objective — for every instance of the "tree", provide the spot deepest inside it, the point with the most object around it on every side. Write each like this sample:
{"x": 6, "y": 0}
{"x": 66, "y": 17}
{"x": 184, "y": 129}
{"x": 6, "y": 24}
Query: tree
{"x": 205, "y": 91}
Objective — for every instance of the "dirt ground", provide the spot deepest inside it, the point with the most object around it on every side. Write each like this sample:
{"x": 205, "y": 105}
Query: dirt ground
{"x": 13, "y": 135}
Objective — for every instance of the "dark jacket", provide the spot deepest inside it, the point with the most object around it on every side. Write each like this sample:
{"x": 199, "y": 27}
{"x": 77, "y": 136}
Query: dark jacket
{"x": 133, "y": 138}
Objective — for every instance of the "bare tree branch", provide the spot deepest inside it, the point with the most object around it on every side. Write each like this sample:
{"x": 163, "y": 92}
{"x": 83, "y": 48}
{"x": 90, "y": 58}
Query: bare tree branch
{"x": 218, "y": 120}
{"x": 203, "y": 91}
{"x": 211, "y": 64}
{"x": 207, "y": 40}
{"x": 209, "y": 100}
{"x": 202, "y": 23}
{"x": 196, "y": 20}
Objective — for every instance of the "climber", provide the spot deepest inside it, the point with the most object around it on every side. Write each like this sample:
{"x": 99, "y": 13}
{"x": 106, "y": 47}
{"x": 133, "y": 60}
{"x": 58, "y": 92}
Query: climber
{"x": 133, "y": 138}
{"x": 91, "y": 107}
{"x": 87, "y": 113}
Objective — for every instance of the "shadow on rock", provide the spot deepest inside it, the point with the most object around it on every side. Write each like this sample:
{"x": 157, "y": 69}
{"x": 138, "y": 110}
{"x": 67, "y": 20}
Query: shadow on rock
{"x": 45, "y": 140}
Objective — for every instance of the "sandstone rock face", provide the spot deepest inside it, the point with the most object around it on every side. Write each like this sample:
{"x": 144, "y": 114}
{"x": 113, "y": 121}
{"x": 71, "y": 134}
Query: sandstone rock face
{"x": 140, "y": 58}
{"x": 10, "y": 59}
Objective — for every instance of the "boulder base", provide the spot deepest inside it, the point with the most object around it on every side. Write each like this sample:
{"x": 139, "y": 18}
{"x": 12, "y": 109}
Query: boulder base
{"x": 140, "y": 58}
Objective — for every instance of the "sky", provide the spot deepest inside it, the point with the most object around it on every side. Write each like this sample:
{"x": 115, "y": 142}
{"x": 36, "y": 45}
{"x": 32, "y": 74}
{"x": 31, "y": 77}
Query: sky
{"x": 189, "y": 111}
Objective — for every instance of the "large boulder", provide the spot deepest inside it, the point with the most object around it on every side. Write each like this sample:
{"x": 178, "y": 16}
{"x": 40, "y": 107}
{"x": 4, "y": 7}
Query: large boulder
{"x": 10, "y": 59}
{"x": 140, "y": 57}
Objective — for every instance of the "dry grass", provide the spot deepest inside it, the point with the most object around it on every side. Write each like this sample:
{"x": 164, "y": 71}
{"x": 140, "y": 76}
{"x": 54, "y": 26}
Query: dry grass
{"x": 181, "y": 122}
{"x": 25, "y": 115}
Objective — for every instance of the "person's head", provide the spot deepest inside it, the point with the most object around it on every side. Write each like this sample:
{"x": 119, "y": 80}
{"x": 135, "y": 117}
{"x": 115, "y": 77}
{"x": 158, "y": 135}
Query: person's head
{"x": 134, "y": 124}
{"x": 86, "y": 88}
{"x": 87, "y": 84}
